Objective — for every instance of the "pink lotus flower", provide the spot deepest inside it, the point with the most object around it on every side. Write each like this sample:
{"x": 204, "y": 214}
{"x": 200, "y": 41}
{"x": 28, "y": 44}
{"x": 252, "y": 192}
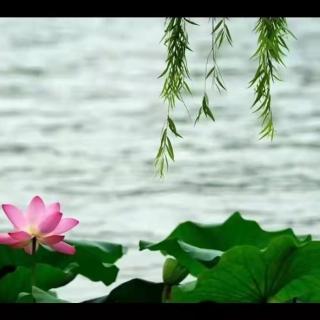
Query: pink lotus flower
{"x": 40, "y": 224}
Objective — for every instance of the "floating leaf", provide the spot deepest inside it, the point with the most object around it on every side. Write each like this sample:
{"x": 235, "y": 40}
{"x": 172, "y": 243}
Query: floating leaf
{"x": 94, "y": 260}
{"x": 14, "y": 283}
{"x": 197, "y": 246}
{"x": 39, "y": 296}
{"x": 284, "y": 272}
{"x": 135, "y": 290}
{"x": 6, "y": 269}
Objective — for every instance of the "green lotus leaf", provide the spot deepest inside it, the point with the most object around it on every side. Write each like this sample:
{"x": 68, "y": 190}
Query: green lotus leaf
{"x": 94, "y": 260}
{"x": 39, "y": 296}
{"x": 133, "y": 291}
{"x": 199, "y": 246}
{"x": 283, "y": 272}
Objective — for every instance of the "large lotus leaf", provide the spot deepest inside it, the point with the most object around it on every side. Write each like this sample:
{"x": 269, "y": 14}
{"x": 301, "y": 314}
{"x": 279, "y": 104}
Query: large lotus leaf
{"x": 13, "y": 283}
{"x": 283, "y": 272}
{"x": 93, "y": 260}
{"x": 133, "y": 291}
{"x": 20, "y": 280}
{"x": 6, "y": 269}
{"x": 196, "y": 246}
{"x": 39, "y": 296}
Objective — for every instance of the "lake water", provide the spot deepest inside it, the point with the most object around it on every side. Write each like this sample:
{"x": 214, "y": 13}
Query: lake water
{"x": 80, "y": 121}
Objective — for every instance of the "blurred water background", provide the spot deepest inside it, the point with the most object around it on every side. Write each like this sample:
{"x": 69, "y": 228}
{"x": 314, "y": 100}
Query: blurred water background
{"x": 80, "y": 121}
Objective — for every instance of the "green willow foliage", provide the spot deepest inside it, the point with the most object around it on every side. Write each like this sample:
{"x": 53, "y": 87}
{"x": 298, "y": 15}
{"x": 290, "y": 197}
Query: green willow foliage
{"x": 220, "y": 33}
{"x": 272, "y": 34}
{"x": 176, "y": 73}
{"x": 270, "y": 52}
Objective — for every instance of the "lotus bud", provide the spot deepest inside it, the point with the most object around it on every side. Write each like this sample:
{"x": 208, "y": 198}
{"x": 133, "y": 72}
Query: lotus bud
{"x": 173, "y": 272}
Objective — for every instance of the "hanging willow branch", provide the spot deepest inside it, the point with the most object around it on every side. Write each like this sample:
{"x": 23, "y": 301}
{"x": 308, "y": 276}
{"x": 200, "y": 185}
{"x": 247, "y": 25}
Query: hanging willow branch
{"x": 176, "y": 72}
{"x": 176, "y": 75}
{"x": 272, "y": 34}
{"x": 271, "y": 45}
{"x": 220, "y": 33}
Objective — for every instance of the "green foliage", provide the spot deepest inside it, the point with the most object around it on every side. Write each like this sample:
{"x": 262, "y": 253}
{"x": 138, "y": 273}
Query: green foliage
{"x": 173, "y": 272}
{"x": 272, "y": 33}
{"x": 166, "y": 149}
{"x": 39, "y": 296}
{"x": 133, "y": 291}
{"x": 281, "y": 273}
{"x": 205, "y": 109}
{"x": 14, "y": 283}
{"x": 176, "y": 75}
{"x": 220, "y": 33}
{"x": 236, "y": 261}
{"x": 272, "y": 36}
{"x": 94, "y": 260}
{"x": 137, "y": 290}
{"x": 198, "y": 246}
{"x": 176, "y": 71}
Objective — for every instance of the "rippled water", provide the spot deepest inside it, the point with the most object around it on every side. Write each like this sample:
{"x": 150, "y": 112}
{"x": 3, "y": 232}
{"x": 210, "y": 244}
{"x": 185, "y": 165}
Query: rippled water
{"x": 80, "y": 119}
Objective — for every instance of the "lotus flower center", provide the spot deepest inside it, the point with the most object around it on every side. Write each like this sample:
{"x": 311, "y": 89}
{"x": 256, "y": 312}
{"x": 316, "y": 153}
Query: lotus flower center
{"x": 34, "y": 231}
